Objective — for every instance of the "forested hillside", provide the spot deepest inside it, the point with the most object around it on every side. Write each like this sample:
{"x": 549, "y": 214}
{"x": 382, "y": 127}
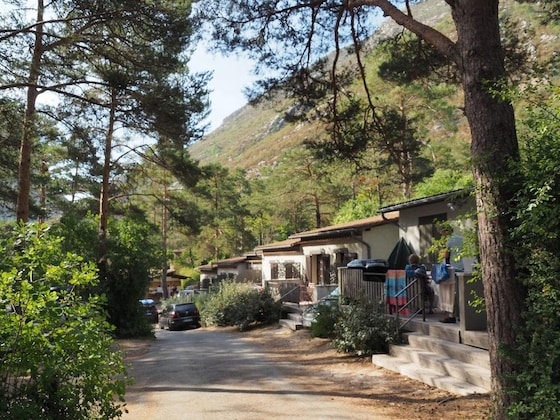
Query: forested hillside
{"x": 422, "y": 147}
{"x": 284, "y": 169}
{"x": 256, "y": 136}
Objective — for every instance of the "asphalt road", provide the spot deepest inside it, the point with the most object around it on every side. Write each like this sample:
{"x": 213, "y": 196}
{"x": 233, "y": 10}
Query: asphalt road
{"x": 210, "y": 374}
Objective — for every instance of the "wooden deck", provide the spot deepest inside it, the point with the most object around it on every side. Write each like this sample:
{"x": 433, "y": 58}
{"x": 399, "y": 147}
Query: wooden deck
{"x": 469, "y": 330}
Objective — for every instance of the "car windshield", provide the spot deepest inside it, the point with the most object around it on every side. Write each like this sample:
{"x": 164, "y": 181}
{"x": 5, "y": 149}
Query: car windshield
{"x": 184, "y": 307}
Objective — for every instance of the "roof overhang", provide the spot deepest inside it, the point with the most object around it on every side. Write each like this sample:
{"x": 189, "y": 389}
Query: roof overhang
{"x": 230, "y": 262}
{"x": 287, "y": 245}
{"x": 347, "y": 229}
{"x": 427, "y": 200}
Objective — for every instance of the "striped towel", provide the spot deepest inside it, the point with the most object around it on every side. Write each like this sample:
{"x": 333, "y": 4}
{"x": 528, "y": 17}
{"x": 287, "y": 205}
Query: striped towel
{"x": 395, "y": 281}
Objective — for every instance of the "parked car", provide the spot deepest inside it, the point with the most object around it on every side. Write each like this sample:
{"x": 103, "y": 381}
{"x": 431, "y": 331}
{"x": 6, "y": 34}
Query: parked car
{"x": 150, "y": 310}
{"x": 178, "y": 315}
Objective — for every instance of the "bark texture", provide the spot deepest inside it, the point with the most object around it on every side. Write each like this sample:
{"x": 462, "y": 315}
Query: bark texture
{"x": 494, "y": 146}
{"x": 26, "y": 147}
{"x": 479, "y": 56}
{"x": 104, "y": 195}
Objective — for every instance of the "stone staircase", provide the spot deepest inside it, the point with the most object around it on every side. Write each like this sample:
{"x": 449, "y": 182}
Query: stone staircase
{"x": 441, "y": 355}
{"x": 436, "y": 354}
{"x": 291, "y": 316}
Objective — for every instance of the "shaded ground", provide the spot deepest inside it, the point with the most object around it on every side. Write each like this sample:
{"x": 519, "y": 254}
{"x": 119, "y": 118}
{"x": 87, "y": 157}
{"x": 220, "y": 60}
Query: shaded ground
{"x": 313, "y": 364}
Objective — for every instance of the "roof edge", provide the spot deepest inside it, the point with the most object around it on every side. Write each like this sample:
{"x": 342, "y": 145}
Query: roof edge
{"x": 426, "y": 200}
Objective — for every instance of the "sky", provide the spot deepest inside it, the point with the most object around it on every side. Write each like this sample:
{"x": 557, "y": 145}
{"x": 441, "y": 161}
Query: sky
{"x": 230, "y": 76}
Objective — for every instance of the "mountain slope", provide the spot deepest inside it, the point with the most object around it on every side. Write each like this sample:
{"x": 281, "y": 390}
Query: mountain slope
{"x": 255, "y": 136}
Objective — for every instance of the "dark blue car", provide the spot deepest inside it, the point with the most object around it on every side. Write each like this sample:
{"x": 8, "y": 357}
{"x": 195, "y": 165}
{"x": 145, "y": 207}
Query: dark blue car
{"x": 149, "y": 309}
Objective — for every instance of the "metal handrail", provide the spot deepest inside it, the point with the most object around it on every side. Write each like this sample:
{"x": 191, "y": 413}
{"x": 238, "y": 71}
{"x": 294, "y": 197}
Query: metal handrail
{"x": 290, "y": 291}
{"x": 280, "y": 299}
{"x": 410, "y": 301}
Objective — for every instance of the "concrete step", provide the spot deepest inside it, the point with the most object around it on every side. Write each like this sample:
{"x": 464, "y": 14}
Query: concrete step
{"x": 299, "y": 308}
{"x": 476, "y": 339}
{"x": 444, "y": 366}
{"x": 432, "y": 327}
{"x": 427, "y": 376}
{"x": 291, "y": 324}
{"x": 455, "y": 367}
{"x": 445, "y": 348}
{"x": 294, "y": 316}
{"x": 450, "y": 332}
{"x": 291, "y": 307}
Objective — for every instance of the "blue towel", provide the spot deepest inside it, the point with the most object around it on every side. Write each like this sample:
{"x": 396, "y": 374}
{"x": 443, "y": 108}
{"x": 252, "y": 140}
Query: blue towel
{"x": 439, "y": 272}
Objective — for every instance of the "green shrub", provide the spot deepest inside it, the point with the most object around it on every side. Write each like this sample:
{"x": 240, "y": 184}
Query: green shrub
{"x": 326, "y": 316}
{"x": 133, "y": 249}
{"x": 363, "y": 329}
{"x": 238, "y": 304}
{"x": 535, "y": 385}
{"x": 56, "y": 360}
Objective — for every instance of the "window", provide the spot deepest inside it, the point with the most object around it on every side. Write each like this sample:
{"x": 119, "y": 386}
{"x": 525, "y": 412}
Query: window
{"x": 343, "y": 257}
{"x": 274, "y": 271}
{"x": 292, "y": 270}
{"x": 428, "y": 232}
{"x": 284, "y": 270}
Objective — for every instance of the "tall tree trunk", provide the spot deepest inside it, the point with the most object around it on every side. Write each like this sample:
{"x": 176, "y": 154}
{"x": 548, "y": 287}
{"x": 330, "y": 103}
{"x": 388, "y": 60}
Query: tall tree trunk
{"x": 317, "y": 206}
{"x": 26, "y": 147}
{"x": 164, "y": 244}
{"x": 43, "y": 189}
{"x": 479, "y": 56}
{"x": 104, "y": 194}
{"x": 494, "y": 146}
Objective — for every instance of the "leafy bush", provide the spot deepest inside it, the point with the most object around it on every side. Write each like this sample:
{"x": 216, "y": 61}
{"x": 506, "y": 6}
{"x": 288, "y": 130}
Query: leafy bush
{"x": 133, "y": 250}
{"x": 535, "y": 388}
{"x": 238, "y": 304}
{"x": 363, "y": 329}
{"x": 326, "y": 316}
{"x": 56, "y": 360}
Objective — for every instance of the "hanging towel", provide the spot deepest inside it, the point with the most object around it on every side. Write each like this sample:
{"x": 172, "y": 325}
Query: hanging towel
{"x": 447, "y": 290}
{"x": 395, "y": 282}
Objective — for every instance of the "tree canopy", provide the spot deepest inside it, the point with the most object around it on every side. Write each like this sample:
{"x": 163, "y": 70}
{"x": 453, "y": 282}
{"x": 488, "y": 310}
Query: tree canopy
{"x": 98, "y": 53}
